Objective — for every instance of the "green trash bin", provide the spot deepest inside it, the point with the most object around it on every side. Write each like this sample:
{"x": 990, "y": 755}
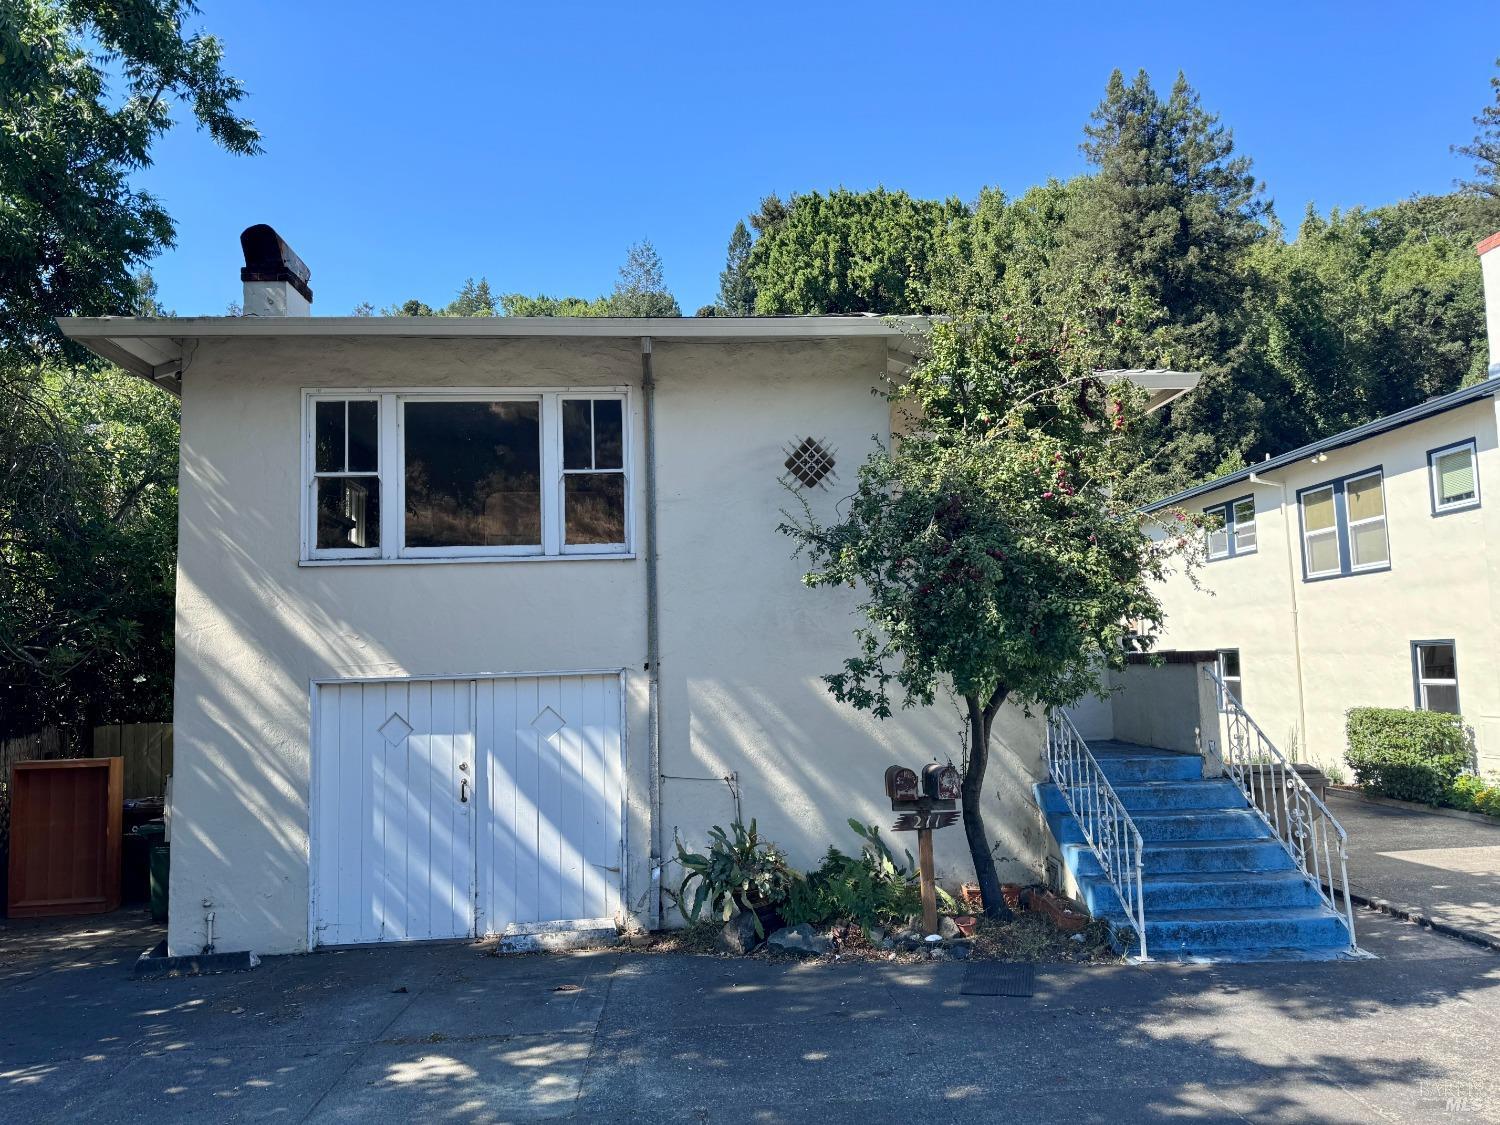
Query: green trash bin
{"x": 160, "y": 864}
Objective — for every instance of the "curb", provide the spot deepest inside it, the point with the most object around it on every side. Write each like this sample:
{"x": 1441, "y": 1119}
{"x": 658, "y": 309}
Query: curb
{"x": 155, "y": 964}
{"x": 1412, "y": 806}
{"x": 1406, "y": 914}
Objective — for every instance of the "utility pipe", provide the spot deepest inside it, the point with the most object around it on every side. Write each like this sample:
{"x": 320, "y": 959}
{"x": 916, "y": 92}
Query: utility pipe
{"x": 653, "y": 633}
{"x": 1291, "y": 581}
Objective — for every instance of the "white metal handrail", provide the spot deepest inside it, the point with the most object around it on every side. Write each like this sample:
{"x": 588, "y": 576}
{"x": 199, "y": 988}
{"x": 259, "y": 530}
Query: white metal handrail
{"x": 1107, "y": 828}
{"x": 1297, "y": 817}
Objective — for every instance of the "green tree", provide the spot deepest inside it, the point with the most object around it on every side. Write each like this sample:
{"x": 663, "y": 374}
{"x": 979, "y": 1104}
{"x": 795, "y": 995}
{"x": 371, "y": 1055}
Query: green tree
{"x": 474, "y": 299}
{"x": 642, "y": 287}
{"x": 736, "y": 286}
{"x": 73, "y": 230}
{"x": 1484, "y": 149}
{"x": 848, "y": 252}
{"x": 991, "y": 548}
{"x": 518, "y": 304}
{"x": 88, "y": 528}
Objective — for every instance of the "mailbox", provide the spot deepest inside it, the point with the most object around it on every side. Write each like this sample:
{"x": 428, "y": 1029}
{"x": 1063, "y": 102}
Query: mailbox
{"x": 941, "y": 783}
{"x": 901, "y": 784}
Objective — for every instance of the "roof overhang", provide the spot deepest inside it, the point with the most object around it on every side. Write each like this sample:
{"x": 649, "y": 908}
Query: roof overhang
{"x": 153, "y": 348}
{"x": 1160, "y": 385}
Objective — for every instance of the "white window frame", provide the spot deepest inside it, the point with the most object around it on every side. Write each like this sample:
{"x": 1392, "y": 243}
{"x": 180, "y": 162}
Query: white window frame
{"x": 1385, "y": 528}
{"x": 1234, "y": 686}
{"x": 311, "y": 476}
{"x": 392, "y": 476}
{"x": 1438, "y": 507}
{"x": 1307, "y": 536}
{"x": 1225, "y": 529}
{"x": 1238, "y": 526}
{"x": 564, "y": 547}
{"x": 1424, "y": 682}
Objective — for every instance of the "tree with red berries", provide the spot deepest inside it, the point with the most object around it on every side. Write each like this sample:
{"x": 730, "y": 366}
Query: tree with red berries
{"x": 991, "y": 544}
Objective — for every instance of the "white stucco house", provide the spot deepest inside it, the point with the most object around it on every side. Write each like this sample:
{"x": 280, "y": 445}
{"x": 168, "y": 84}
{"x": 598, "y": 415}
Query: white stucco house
{"x": 1360, "y": 570}
{"x": 475, "y": 615}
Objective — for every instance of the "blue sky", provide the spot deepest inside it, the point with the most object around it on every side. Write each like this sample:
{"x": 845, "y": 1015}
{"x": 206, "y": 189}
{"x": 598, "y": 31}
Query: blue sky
{"x": 409, "y": 146}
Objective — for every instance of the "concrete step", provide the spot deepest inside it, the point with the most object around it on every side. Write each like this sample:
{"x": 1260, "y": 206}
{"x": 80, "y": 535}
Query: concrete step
{"x": 1218, "y": 793}
{"x": 1166, "y": 858}
{"x": 1162, "y": 825}
{"x": 554, "y": 937}
{"x": 1128, "y": 768}
{"x": 1209, "y": 890}
{"x": 1243, "y": 931}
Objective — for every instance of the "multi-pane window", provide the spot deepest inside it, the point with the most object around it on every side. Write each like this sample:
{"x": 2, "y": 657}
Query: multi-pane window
{"x": 1344, "y": 526}
{"x": 346, "y": 476}
{"x": 1365, "y": 500}
{"x": 466, "y": 475}
{"x": 593, "y": 444}
{"x": 1229, "y": 674}
{"x": 1455, "y": 478}
{"x": 1230, "y": 528}
{"x": 1435, "y": 672}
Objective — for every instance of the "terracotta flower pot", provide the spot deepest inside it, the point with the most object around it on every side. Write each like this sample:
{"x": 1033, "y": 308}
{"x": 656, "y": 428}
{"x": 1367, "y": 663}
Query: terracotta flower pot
{"x": 1011, "y": 892}
{"x": 966, "y": 924}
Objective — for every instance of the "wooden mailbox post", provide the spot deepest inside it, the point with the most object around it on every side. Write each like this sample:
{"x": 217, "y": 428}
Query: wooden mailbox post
{"x": 924, "y": 805}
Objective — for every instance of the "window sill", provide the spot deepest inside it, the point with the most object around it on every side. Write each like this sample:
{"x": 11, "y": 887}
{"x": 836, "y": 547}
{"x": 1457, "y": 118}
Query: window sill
{"x": 469, "y": 560}
{"x": 1382, "y": 569}
{"x": 1454, "y": 509}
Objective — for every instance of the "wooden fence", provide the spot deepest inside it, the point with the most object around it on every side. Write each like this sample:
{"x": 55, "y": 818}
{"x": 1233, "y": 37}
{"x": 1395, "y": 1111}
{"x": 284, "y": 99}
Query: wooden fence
{"x": 147, "y": 750}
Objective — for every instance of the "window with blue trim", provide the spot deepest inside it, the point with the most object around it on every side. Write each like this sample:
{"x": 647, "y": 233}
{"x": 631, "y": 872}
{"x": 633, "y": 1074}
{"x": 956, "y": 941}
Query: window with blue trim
{"x": 1344, "y": 526}
{"x": 1230, "y": 528}
{"x": 1455, "y": 478}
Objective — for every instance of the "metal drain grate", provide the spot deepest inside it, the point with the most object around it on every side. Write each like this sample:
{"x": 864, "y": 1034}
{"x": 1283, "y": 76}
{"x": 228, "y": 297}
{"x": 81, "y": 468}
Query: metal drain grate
{"x": 998, "y": 978}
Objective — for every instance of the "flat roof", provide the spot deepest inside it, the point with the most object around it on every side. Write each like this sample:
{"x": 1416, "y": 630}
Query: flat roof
{"x": 1438, "y": 405}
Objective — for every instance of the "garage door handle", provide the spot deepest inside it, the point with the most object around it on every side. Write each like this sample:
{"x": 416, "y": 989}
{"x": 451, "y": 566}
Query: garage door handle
{"x": 463, "y": 790}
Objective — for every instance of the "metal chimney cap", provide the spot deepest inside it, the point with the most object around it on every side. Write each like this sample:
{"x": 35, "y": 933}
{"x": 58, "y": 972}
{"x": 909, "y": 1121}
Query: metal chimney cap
{"x": 269, "y": 258}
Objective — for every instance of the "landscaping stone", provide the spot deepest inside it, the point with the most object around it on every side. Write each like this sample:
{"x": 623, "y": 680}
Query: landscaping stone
{"x": 948, "y": 928}
{"x": 906, "y": 938}
{"x": 738, "y": 935}
{"x": 801, "y": 938}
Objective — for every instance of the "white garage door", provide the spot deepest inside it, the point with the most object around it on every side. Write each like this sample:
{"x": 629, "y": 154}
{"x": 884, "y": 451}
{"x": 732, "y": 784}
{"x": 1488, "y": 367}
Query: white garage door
{"x": 448, "y": 808}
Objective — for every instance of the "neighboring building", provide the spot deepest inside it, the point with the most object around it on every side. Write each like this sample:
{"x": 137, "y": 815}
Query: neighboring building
{"x": 475, "y": 615}
{"x": 1361, "y": 570}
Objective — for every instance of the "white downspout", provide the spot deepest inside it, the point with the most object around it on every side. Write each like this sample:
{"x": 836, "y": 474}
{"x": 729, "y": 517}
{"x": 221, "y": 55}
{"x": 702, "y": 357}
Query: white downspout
{"x": 653, "y": 634}
{"x": 1291, "y": 582}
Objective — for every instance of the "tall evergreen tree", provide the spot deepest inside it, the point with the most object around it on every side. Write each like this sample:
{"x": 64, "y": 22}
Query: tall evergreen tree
{"x": 1484, "y": 149}
{"x": 642, "y": 287}
{"x": 736, "y": 286}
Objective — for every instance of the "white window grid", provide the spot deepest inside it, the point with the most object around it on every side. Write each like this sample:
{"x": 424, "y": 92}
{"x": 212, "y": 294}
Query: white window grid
{"x": 391, "y": 471}
{"x": 1368, "y": 521}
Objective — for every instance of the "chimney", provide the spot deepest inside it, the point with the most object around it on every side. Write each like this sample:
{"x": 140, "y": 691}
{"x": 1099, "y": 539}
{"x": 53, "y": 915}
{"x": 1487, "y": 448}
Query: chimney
{"x": 275, "y": 278}
{"x": 1489, "y": 265}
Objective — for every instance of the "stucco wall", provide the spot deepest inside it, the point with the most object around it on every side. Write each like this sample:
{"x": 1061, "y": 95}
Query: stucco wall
{"x": 743, "y": 643}
{"x": 1169, "y": 705}
{"x": 1356, "y": 631}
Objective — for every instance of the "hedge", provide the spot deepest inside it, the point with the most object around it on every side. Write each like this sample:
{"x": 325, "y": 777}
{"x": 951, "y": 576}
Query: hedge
{"x": 1408, "y": 755}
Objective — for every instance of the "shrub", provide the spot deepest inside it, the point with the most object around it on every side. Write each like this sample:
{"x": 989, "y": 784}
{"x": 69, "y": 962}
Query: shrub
{"x": 1408, "y": 755}
{"x": 869, "y": 889}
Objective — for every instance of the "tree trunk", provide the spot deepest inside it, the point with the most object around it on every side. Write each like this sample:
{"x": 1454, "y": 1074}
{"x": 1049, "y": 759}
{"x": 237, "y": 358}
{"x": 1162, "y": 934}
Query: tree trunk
{"x": 981, "y": 716}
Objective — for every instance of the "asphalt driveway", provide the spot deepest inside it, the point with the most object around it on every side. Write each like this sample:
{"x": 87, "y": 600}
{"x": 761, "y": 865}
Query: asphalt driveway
{"x": 1444, "y": 868}
{"x": 447, "y": 1033}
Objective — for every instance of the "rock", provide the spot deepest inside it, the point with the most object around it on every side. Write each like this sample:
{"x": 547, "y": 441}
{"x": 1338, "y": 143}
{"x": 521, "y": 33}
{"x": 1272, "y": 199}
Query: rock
{"x": 887, "y": 943}
{"x": 959, "y": 950}
{"x": 1077, "y": 937}
{"x": 801, "y": 938}
{"x": 906, "y": 938}
{"x": 738, "y": 935}
{"x": 948, "y": 928}
{"x": 876, "y": 936}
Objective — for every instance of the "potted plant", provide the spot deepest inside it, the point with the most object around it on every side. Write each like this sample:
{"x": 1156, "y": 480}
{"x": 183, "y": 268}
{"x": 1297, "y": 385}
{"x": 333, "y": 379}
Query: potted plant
{"x": 739, "y": 871}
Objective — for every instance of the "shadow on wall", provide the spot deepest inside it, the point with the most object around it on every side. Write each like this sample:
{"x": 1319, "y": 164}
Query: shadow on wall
{"x": 802, "y": 789}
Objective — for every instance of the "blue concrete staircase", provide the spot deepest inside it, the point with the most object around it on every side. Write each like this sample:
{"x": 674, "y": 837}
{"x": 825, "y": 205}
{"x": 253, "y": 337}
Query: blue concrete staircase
{"x": 1217, "y": 884}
